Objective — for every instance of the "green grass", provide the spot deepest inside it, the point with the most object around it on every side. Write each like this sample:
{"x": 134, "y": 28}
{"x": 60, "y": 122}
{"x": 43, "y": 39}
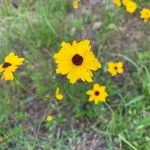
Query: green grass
{"x": 35, "y": 32}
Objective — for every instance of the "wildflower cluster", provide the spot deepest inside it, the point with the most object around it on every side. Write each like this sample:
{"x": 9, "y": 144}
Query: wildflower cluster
{"x": 131, "y": 6}
{"x": 77, "y": 61}
{"x": 78, "y": 64}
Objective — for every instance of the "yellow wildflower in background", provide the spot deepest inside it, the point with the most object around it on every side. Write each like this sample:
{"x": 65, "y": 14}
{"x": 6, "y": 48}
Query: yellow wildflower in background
{"x": 98, "y": 94}
{"x": 115, "y": 68}
{"x": 131, "y": 6}
{"x": 117, "y": 2}
{"x": 125, "y": 2}
{"x": 145, "y": 14}
{"x": 76, "y": 61}
{"x": 58, "y": 95}
{"x": 49, "y": 118}
{"x": 12, "y": 62}
{"x": 75, "y": 4}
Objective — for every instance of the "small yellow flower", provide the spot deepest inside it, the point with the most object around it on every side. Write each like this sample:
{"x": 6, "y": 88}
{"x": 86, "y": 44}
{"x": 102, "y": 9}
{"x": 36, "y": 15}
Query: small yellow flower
{"x": 49, "y": 118}
{"x": 117, "y": 2}
{"x": 125, "y": 2}
{"x": 145, "y": 14}
{"x": 58, "y": 95}
{"x": 75, "y": 4}
{"x": 131, "y": 7}
{"x": 76, "y": 61}
{"x": 98, "y": 94}
{"x": 115, "y": 68}
{"x": 12, "y": 62}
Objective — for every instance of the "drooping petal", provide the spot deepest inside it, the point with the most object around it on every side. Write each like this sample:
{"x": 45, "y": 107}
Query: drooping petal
{"x": 8, "y": 75}
{"x": 1, "y": 68}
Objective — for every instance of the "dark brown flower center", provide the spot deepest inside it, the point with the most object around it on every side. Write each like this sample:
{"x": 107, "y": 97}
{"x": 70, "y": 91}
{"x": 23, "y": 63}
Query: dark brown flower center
{"x": 116, "y": 68}
{"x": 97, "y": 93}
{"x": 5, "y": 65}
{"x": 77, "y": 59}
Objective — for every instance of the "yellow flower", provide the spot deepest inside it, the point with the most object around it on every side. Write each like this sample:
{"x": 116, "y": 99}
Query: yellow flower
{"x": 75, "y": 4}
{"x": 125, "y": 2}
{"x": 49, "y": 118}
{"x": 12, "y": 62}
{"x": 98, "y": 94}
{"x": 145, "y": 14}
{"x": 77, "y": 61}
{"x": 115, "y": 68}
{"x": 131, "y": 7}
{"x": 117, "y": 2}
{"x": 58, "y": 95}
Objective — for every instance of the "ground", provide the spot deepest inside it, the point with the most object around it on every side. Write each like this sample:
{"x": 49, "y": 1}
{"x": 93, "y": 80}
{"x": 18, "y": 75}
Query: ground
{"x": 35, "y": 30}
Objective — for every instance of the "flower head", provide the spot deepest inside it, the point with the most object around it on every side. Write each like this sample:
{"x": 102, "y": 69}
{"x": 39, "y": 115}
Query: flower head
{"x": 12, "y": 62}
{"x": 49, "y": 118}
{"x": 75, "y": 4}
{"x": 77, "y": 61}
{"x": 98, "y": 94}
{"x": 145, "y": 14}
{"x": 125, "y": 2}
{"x": 131, "y": 6}
{"x": 58, "y": 95}
{"x": 115, "y": 68}
{"x": 117, "y": 2}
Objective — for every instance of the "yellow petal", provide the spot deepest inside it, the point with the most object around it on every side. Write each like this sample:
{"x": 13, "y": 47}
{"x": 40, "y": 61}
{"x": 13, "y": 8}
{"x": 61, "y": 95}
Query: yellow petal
{"x": 75, "y": 4}
{"x": 49, "y": 118}
{"x": 86, "y": 75}
{"x": 96, "y": 86}
{"x": 117, "y": 2}
{"x": 1, "y": 68}
{"x": 7, "y": 75}
{"x": 73, "y": 75}
{"x": 96, "y": 102}
{"x": 89, "y": 92}
{"x": 91, "y": 99}
{"x": 120, "y": 70}
{"x": 112, "y": 71}
{"x": 120, "y": 64}
{"x": 58, "y": 95}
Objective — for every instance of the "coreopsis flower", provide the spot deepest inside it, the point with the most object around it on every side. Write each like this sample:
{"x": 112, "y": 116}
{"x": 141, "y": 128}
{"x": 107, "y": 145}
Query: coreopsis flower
{"x": 12, "y": 62}
{"x": 76, "y": 61}
{"x": 98, "y": 94}
{"x": 117, "y": 2}
{"x": 58, "y": 94}
{"x": 131, "y": 7}
{"x": 145, "y": 14}
{"x": 75, "y": 4}
{"x": 115, "y": 68}
{"x": 49, "y": 118}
